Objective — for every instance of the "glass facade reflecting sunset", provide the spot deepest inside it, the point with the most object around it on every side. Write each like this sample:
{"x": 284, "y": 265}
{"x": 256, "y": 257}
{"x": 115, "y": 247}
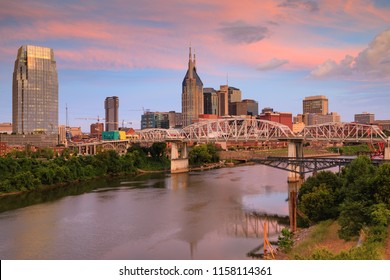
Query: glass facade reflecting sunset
{"x": 35, "y": 91}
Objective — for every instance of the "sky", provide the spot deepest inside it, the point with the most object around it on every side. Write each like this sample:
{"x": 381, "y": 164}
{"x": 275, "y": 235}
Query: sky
{"x": 276, "y": 51}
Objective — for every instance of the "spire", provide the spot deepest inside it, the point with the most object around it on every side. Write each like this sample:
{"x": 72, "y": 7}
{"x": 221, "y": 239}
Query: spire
{"x": 194, "y": 60}
{"x": 190, "y": 65}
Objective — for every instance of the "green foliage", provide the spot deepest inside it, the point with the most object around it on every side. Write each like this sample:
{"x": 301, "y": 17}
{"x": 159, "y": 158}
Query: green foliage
{"x": 353, "y": 216}
{"x": 381, "y": 184}
{"x": 380, "y": 215}
{"x": 320, "y": 196}
{"x": 350, "y": 150}
{"x": 359, "y": 197}
{"x": 24, "y": 173}
{"x": 285, "y": 241}
{"x": 204, "y": 153}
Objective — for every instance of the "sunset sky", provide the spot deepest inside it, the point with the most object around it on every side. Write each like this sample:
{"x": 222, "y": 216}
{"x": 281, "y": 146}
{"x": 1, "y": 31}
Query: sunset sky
{"x": 276, "y": 51}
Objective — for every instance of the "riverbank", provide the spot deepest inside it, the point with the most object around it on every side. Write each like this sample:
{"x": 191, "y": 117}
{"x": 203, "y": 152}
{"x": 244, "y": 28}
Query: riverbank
{"x": 322, "y": 241}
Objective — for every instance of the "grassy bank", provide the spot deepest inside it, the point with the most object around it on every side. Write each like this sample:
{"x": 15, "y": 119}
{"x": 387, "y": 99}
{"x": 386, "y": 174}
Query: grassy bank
{"x": 322, "y": 242}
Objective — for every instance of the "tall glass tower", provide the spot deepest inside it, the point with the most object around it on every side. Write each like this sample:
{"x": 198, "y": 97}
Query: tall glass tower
{"x": 35, "y": 91}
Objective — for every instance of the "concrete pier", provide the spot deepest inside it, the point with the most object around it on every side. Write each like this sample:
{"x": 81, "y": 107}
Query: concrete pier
{"x": 179, "y": 161}
{"x": 386, "y": 151}
{"x": 295, "y": 150}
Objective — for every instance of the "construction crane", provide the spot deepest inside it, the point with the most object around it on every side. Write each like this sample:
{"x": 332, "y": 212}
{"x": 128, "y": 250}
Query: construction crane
{"x": 89, "y": 118}
{"x": 143, "y": 110}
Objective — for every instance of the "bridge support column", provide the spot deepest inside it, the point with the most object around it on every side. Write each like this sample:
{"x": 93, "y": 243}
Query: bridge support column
{"x": 293, "y": 188}
{"x": 386, "y": 152}
{"x": 179, "y": 162}
{"x": 295, "y": 150}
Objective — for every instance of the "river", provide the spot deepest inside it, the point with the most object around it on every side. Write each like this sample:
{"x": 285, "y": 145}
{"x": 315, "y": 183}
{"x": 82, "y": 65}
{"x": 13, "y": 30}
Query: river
{"x": 214, "y": 214}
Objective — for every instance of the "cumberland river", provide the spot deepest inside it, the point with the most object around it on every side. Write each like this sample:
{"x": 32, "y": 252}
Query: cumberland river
{"x": 215, "y": 214}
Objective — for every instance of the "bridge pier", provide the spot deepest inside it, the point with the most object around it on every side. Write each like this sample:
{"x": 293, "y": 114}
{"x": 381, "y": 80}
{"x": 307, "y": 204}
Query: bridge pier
{"x": 386, "y": 152}
{"x": 295, "y": 150}
{"x": 179, "y": 162}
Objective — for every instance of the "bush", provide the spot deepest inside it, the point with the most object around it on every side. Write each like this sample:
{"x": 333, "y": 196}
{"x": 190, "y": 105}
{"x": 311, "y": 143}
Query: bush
{"x": 285, "y": 241}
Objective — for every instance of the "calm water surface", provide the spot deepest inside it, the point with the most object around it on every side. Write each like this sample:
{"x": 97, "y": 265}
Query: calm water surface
{"x": 197, "y": 215}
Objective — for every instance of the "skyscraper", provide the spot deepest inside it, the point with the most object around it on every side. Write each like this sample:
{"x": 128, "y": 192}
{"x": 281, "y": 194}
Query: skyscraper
{"x": 192, "y": 94}
{"x": 111, "y": 105}
{"x": 35, "y": 91}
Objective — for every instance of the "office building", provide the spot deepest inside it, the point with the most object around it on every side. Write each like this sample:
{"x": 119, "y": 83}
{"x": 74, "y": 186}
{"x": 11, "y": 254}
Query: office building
{"x": 223, "y": 100}
{"x": 35, "y": 91}
{"x": 365, "y": 118}
{"x": 315, "y": 105}
{"x": 383, "y": 124}
{"x": 246, "y": 107}
{"x": 155, "y": 120}
{"x": 210, "y": 101}
{"x": 5, "y": 128}
{"x": 234, "y": 95}
{"x": 331, "y": 117}
{"x": 111, "y": 106}
{"x": 313, "y": 119}
{"x": 175, "y": 119}
{"x": 267, "y": 110}
{"x": 192, "y": 94}
{"x": 282, "y": 118}
{"x": 62, "y": 135}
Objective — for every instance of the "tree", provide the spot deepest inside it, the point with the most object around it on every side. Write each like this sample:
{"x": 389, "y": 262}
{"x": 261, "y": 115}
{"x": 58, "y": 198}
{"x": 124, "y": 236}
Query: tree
{"x": 381, "y": 184}
{"x": 158, "y": 150}
{"x": 199, "y": 155}
{"x": 319, "y": 197}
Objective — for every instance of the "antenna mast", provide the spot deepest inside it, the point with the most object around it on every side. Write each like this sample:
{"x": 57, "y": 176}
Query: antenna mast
{"x": 66, "y": 109}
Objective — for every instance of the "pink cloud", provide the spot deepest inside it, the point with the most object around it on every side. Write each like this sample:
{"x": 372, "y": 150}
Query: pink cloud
{"x": 140, "y": 35}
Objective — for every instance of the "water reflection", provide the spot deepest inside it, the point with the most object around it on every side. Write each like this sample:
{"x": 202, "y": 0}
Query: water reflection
{"x": 216, "y": 214}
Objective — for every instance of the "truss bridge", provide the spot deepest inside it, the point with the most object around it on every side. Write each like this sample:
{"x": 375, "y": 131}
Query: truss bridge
{"x": 308, "y": 164}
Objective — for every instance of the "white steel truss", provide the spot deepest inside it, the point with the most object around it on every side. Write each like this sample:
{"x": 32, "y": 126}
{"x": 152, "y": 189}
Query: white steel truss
{"x": 241, "y": 129}
{"x": 236, "y": 129}
{"x": 343, "y": 132}
{"x": 152, "y": 135}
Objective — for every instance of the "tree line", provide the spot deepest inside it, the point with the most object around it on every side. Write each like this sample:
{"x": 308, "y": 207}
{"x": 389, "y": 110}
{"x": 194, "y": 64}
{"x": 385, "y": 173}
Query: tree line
{"x": 24, "y": 171}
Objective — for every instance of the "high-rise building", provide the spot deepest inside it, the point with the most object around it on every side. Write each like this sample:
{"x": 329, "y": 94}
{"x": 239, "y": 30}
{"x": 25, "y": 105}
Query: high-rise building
{"x": 210, "y": 99}
{"x": 111, "y": 105}
{"x": 234, "y": 95}
{"x": 192, "y": 94}
{"x": 35, "y": 91}
{"x": 365, "y": 118}
{"x": 223, "y": 100}
{"x": 155, "y": 120}
{"x": 315, "y": 105}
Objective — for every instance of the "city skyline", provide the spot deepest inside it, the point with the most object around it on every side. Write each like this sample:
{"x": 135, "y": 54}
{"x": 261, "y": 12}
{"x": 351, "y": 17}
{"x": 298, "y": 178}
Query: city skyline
{"x": 276, "y": 52}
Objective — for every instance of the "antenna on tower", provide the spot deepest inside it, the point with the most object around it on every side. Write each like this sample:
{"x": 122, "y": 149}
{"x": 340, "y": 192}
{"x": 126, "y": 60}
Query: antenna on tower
{"x": 227, "y": 79}
{"x": 66, "y": 109}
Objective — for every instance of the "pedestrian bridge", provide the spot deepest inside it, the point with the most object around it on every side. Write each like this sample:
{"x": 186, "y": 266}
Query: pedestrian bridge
{"x": 241, "y": 129}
